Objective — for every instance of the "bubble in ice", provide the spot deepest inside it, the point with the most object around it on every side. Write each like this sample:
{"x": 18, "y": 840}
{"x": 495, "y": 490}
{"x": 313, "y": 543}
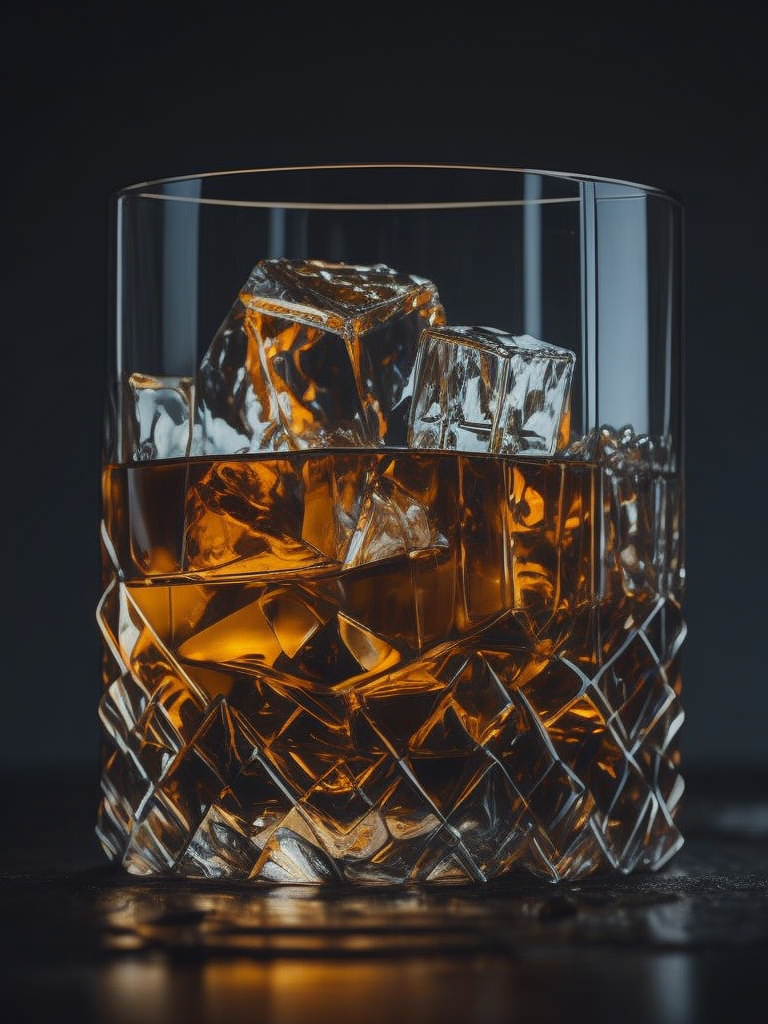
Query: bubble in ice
{"x": 480, "y": 389}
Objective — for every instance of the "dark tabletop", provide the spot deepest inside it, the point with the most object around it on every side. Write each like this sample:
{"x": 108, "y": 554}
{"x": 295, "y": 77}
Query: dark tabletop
{"x": 83, "y": 941}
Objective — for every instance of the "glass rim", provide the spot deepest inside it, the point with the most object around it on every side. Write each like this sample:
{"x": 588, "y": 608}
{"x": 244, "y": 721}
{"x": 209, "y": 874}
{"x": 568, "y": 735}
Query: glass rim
{"x": 146, "y": 189}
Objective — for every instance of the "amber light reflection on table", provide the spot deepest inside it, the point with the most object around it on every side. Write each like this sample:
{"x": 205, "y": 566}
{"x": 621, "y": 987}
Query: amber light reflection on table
{"x": 429, "y": 990}
{"x": 666, "y": 989}
{"x": 687, "y": 945}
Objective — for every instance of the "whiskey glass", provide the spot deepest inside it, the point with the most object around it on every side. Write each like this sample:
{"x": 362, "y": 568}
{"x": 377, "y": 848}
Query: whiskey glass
{"x": 392, "y": 536}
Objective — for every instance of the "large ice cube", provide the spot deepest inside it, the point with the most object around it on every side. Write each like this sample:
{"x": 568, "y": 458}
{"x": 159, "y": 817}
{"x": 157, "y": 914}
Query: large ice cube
{"x": 479, "y": 389}
{"x": 314, "y": 354}
{"x": 159, "y": 418}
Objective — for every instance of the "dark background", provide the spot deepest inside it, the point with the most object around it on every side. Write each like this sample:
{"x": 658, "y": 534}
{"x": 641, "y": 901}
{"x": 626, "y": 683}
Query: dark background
{"x": 90, "y": 109}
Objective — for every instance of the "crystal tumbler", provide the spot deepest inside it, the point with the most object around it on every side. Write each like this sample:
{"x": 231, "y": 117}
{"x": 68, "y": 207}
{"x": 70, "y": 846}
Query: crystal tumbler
{"x": 392, "y": 526}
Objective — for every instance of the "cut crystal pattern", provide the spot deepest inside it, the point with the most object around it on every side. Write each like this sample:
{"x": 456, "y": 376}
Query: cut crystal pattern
{"x": 389, "y": 666}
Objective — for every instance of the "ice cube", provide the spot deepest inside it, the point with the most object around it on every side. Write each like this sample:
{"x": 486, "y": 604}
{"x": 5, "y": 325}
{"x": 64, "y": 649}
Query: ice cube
{"x": 391, "y": 522}
{"x": 480, "y": 389}
{"x": 159, "y": 416}
{"x": 314, "y": 354}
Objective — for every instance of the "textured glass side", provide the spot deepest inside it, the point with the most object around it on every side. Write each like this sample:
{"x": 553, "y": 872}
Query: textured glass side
{"x": 633, "y": 350}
